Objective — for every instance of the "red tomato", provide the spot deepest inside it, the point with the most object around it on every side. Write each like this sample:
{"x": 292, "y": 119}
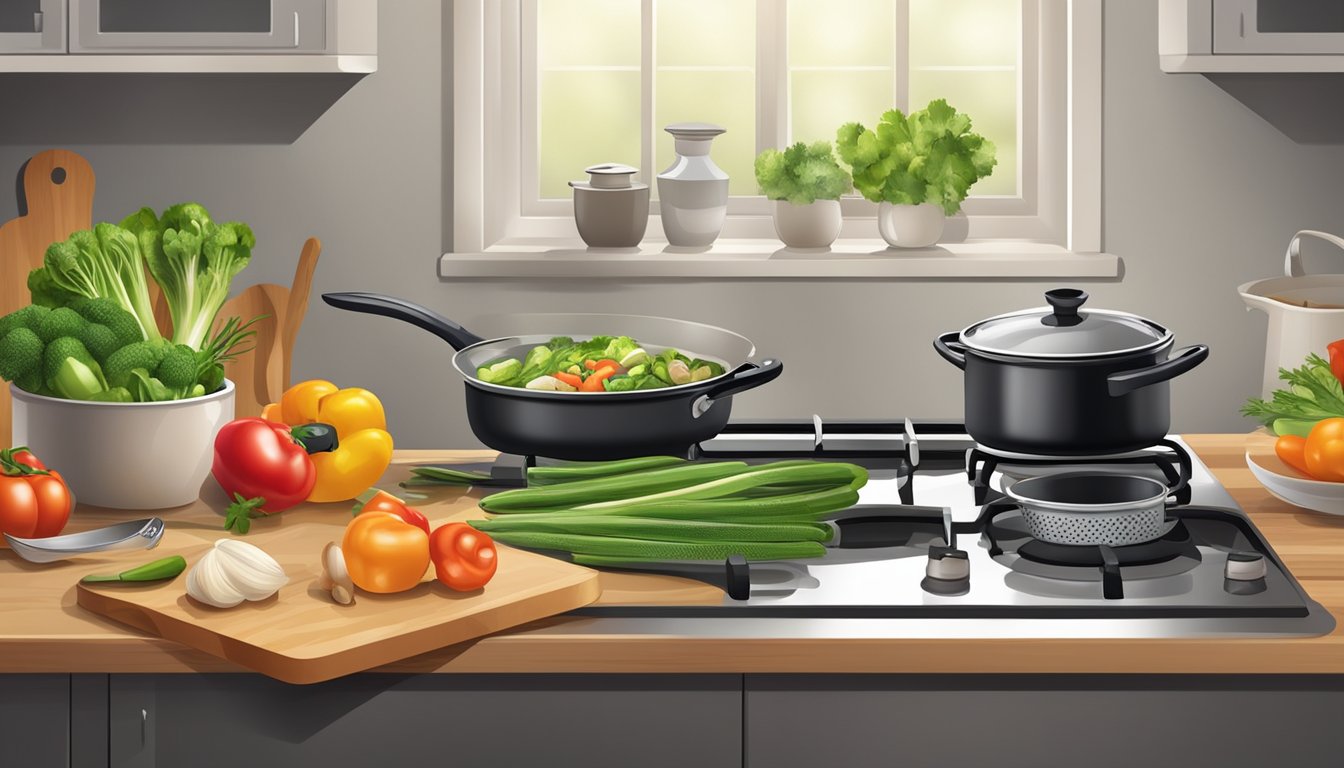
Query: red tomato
{"x": 1336, "y": 351}
{"x": 464, "y": 558}
{"x": 255, "y": 457}
{"x": 1324, "y": 450}
{"x": 383, "y": 501}
{"x": 34, "y": 501}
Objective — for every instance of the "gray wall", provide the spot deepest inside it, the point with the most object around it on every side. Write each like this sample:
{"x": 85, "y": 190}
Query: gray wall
{"x": 1200, "y": 195}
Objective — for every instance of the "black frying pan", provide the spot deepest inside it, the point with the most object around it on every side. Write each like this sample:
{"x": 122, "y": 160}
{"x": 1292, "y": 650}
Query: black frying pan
{"x": 587, "y": 426}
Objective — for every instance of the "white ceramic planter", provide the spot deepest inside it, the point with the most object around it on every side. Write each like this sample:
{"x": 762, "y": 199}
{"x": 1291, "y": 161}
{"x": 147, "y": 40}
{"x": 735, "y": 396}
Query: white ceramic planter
{"x": 910, "y": 226}
{"x": 815, "y": 225}
{"x": 125, "y": 455}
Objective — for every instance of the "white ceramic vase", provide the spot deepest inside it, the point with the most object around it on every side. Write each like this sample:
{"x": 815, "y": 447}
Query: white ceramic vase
{"x": 140, "y": 456}
{"x": 693, "y": 191}
{"x": 815, "y": 225}
{"x": 910, "y": 226}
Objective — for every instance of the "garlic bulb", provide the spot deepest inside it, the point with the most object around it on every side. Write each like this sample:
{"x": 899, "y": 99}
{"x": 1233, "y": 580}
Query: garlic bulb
{"x": 232, "y": 572}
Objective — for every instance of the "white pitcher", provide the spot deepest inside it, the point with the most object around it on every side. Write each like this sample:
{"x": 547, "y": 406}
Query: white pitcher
{"x": 1306, "y": 312}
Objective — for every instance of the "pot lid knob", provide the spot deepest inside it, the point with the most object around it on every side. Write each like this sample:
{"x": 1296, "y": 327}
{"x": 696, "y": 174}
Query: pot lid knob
{"x": 1065, "y": 303}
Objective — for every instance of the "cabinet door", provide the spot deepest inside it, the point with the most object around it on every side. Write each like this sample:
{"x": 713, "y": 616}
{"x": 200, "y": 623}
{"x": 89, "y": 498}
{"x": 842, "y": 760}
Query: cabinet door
{"x": 32, "y": 26}
{"x": 214, "y": 26}
{"x": 457, "y": 720}
{"x": 35, "y": 720}
{"x": 1114, "y": 721}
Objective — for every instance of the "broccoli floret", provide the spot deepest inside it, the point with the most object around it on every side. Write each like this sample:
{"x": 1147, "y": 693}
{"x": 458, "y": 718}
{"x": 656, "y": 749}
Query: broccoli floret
{"x": 211, "y": 378}
{"x": 31, "y": 381}
{"x": 107, "y": 312}
{"x": 28, "y": 317}
{"x": 70, "y": 371}
{"x": 142, "y": 354}
{"x": 58, "y": 323}
{"x": 20, "y": 354}
{"x": 177, "y": 369}
{"x": 99, "y": 340}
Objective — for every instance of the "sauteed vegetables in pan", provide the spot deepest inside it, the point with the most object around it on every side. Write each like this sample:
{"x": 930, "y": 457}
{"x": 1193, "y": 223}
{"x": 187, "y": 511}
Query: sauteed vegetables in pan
{"x": 600, "y": 364}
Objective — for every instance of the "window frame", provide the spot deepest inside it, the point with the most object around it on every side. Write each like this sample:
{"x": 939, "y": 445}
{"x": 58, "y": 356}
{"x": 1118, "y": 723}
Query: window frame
{"x": 1060, "y": 190}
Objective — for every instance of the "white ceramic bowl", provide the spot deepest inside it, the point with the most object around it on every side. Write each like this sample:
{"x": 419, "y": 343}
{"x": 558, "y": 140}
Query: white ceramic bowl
{"x": 125, "y": 455}
{"x": 1317, "y": 495}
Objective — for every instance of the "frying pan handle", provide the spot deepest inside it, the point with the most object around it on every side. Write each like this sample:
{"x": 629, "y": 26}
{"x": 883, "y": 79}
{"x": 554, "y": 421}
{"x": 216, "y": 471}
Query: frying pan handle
{"x": 745, "y": 376}
{"x": 1124, "y": 382}
{"x": 950, "y": 349}
{"x": 400, "y": 309}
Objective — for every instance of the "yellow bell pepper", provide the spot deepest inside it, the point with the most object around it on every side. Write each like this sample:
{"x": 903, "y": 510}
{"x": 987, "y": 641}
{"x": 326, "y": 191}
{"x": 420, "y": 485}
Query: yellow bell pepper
{"x": 365, "y": 447}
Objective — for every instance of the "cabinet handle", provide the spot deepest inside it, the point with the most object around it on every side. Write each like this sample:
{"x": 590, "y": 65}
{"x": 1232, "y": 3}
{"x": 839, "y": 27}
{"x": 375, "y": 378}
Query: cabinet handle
{"x": 296, "y": 29}
{"x": 37, "y": 21}
{"x": 144, "y": 723}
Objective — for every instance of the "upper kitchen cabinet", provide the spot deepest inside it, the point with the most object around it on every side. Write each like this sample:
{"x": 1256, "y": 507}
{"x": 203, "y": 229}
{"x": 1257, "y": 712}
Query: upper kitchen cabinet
{"x": 32, "y": 26}
{"x": 166, "y": 36}
{"x": 1228, "y": 36}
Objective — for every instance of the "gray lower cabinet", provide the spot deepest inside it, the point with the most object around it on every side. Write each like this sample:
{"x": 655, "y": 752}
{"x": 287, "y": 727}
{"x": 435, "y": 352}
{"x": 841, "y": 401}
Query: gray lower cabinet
{"x": 35, "y": 720}
{"x": 1006, "y": 722}
{"x": 458, "y": 720}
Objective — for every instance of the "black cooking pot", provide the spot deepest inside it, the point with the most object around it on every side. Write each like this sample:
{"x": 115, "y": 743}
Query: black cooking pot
{"x": 1060, "y": 381}
{"x": 589, "y": 426}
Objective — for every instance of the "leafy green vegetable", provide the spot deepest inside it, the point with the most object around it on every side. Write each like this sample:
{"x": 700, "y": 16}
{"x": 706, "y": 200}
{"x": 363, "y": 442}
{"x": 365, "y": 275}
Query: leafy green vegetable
{"x": 1313, "y": 394}
{"x": 105, "y": 262}
{"x": 144, "y": 355}
{"x": 636, "y": 369}
{"x": 70, "y": 371}
{"x": 930, "y": 156}
{"x": 801, "y": 174}
{"x": 193, "y": 259}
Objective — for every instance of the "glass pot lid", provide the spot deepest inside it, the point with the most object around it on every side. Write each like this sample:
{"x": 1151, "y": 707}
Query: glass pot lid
{"x": 1064, "y": 330}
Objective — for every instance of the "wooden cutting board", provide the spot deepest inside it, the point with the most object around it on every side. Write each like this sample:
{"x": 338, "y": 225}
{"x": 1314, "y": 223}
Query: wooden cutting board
{"x": 300, "y": 635}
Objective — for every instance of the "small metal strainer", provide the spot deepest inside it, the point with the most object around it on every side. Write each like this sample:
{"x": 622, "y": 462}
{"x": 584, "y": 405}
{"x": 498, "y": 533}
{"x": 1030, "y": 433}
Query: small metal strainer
{"x": 1091, "y": 508}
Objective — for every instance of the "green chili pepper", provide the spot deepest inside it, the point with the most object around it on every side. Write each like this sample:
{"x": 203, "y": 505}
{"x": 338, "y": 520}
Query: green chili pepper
{"x": 166, "y": 568}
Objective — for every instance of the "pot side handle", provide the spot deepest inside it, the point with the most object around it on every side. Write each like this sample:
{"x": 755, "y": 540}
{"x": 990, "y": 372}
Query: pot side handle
{"x": 410, "y": 312}
{"x": 1292, "y": 260}
{"x": 1184, "y": 360}
{"x": 950, "y": 349}
{"x": 740, "y": 379}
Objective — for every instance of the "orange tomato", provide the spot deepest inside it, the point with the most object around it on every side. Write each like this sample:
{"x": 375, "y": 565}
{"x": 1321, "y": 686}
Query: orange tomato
{"x": 299, "y": 403}
{"x": 384, "y": 553}
{"x": 1323, "y": 452}
{"x": 1291, "y": 450}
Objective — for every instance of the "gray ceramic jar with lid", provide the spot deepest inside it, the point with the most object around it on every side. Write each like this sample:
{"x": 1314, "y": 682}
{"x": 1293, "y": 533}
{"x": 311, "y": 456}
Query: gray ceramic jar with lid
{"x": 610, "y": 210}
{"x": 693, "y": 191}
{"x": 1069, "y": 380}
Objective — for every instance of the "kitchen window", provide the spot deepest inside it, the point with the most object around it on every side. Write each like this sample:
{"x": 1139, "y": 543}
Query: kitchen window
{"x": 543, "y": 88}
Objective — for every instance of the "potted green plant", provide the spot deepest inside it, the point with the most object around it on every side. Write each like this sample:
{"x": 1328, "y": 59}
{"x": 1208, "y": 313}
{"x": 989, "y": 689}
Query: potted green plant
{"x": 917, "y": 168}
{"x": 805, "y": 183}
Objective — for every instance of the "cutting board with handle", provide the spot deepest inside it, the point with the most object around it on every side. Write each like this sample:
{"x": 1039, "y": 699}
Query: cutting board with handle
{"x": 300, "y": 635}
{"x": 58, "y": 191}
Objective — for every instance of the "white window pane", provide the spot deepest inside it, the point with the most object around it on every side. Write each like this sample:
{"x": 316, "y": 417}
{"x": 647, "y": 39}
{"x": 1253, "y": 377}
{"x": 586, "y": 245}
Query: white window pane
{"x": 823, "y": 34}
{"x": 588, "y": 33}
{"x": 588, "y": 59}
{"x": 990, "y": 98}
{"x": 587, "y": 117}
{"x": 964, "y": 33}
{"x": 727, "y": 98}
{"x": 705, "y": 33}
{"x": 823, "y": 100}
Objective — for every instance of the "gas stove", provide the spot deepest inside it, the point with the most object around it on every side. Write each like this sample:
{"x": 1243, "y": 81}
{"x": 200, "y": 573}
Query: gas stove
{"x": 935, "y": 549}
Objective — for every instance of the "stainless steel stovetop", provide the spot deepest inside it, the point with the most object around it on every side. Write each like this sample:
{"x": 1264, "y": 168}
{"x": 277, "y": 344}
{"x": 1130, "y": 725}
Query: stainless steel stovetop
{"x": 1180, "y": 586}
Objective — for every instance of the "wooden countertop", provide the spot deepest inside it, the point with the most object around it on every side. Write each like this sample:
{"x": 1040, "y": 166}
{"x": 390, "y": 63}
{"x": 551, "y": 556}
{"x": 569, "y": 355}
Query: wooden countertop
{"x": 43, "y": 630}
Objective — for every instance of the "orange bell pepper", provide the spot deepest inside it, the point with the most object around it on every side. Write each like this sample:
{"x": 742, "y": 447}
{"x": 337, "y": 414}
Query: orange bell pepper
{"x": 1323, "y": 452}
{"x": 384, "y": 553}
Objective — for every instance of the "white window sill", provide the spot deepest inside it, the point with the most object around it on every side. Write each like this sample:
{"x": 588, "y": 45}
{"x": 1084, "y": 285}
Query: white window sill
{"x": 768, "y": 259}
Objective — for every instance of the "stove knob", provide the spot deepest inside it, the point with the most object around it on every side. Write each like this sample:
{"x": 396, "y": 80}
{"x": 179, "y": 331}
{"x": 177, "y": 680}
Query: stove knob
{"x": 948, "y": 564}
{"x": 1245, "y": 566}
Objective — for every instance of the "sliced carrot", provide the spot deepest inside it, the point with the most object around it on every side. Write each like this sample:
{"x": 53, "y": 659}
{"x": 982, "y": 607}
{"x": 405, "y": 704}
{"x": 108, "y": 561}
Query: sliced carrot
{"x": 594, "y": 382}
{"x": 569, "y": 378}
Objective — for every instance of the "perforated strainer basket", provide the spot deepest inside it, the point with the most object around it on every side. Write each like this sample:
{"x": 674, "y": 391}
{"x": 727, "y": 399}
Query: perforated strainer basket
{"x": 1090, "y": 508}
